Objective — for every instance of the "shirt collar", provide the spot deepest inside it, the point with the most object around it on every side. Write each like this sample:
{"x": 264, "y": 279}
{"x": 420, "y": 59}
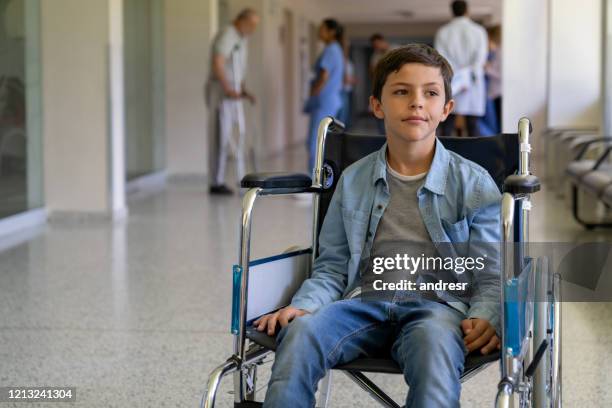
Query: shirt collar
{"x": 436, "y": 176}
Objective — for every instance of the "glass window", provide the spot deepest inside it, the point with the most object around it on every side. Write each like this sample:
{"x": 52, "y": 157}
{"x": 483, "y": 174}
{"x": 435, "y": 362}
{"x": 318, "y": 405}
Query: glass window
{"x": 143, "y": 59}
{"x": 20, "y": 107}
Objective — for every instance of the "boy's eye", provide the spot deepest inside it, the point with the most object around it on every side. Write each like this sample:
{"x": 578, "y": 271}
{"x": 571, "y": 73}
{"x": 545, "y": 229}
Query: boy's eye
{"x": 400, "y": 92}
{"x": 432, "y": 93}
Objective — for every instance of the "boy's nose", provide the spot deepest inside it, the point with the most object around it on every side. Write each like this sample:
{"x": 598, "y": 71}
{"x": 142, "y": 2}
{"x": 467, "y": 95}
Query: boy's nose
{"x": 416, "y": 103}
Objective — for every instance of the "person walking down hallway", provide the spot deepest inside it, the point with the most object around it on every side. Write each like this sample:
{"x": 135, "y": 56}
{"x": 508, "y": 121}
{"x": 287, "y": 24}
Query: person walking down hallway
{"x": 326, "y": 88}
{"x": 346, "y": 112}
{"x": 493, "y": 70}
{"x": 224, "y": 93}
{"x": 380, "y": 46}
{"x": 464, "y": 44}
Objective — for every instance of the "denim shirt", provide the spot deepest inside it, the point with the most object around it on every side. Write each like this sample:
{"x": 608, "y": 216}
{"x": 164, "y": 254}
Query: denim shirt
{"x": 459, "y": 203}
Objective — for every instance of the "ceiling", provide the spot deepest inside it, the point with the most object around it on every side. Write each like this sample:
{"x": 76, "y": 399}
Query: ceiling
{"x": 398, "y": 11}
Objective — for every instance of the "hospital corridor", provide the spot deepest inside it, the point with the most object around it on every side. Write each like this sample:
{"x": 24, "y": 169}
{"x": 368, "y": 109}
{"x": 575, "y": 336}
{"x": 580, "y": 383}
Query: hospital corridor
{"x": 200, "y": 201}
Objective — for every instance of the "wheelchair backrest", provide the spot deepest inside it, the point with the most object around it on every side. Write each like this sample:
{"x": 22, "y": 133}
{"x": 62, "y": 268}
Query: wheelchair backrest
{"x": 497, "y": 154}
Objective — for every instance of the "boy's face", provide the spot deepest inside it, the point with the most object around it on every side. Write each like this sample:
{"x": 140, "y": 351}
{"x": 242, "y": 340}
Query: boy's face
{"x": 412, "y": 103}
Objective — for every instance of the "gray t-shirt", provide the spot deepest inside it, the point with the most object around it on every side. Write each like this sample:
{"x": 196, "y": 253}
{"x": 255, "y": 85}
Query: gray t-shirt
{"x": 401, "y": 223}
{"x": 401, "y": 230}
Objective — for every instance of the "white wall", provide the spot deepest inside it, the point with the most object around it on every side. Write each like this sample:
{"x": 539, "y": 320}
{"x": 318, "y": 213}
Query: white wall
{"x": 77, "y": 175}
{"x": 606, "y": 128}
{"x": 189, "y": 26}
{"x": 525, "y": 72}
{"x": 365, "y": 30}
{"x": 575, "y": 63}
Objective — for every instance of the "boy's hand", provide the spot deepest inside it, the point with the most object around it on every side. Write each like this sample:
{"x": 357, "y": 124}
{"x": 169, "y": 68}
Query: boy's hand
{"x": 479, "y": 333}
{"x": 283, "y": 316}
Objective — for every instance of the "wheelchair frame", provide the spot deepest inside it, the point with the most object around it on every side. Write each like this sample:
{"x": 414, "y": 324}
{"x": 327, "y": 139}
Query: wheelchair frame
{"x": 530, "y": 363}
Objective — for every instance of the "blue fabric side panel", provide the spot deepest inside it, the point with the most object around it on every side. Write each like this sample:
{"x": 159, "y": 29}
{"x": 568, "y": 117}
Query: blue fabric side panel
{"x": 237, "y": 277}
{"x": 517, "y": 311}
{"x": 511, "y": 318}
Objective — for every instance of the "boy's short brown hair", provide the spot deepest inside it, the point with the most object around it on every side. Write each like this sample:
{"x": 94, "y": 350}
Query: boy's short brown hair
{"x": 411, "y": 53}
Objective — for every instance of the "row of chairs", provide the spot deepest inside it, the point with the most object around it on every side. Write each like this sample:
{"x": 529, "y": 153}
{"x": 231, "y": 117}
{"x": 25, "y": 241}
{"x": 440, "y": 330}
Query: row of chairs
{"x": 578, "y": 167}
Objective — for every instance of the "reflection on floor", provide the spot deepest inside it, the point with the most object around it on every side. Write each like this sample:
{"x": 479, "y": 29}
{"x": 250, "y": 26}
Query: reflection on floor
{"x": 137, "y": 314}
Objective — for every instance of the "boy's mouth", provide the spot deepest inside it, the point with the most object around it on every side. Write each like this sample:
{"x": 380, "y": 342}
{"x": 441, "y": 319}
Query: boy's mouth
{"x": 414, "y": 119}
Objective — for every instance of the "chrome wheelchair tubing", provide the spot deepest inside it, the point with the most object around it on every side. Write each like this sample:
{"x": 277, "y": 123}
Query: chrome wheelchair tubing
{"x": 515, "y": 235}
{"x": 507, "y": 219}
{"x": 525, "y": 148}
{"x": 325, "y": 386}
{"x": 317, "y": 181}
{"x": 232, "y": 365}
{"x": 317, "y": 171}
{"x": 556, "y": 360}
{"x": 529, "y": 343}
{"x": 508, "y": 369}
{"x": 524, "y": 129}
{"x": 248, "y": 203}
{"x": 208, "y": 400}
{"x": 504, "y": 398}
{"x": 368, "y": 386}
{"x": 542, "y": 317}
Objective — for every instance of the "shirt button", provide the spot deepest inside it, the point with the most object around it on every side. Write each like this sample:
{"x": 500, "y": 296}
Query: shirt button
{"x": 379, "y": 206}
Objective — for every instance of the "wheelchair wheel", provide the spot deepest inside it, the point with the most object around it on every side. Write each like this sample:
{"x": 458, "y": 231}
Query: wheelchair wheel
{"x": 545, "y": 385}
{"x": 552, "y": 359}
{"x": 555, "y": 377}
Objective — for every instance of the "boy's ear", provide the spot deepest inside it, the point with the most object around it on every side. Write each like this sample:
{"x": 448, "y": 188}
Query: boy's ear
{"x": 448, "y": 109}
{"x": 376, "y": 106}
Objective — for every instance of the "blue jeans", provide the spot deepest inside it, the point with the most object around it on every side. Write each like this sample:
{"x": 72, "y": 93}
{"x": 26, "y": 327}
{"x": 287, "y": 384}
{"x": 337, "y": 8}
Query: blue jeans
{"x": 424, "y": 337}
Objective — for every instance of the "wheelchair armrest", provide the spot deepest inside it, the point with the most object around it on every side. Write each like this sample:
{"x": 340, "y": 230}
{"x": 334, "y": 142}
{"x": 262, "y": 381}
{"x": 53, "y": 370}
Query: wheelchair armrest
{"x": 516, "y": 184}
{"x": 271, "y": 180}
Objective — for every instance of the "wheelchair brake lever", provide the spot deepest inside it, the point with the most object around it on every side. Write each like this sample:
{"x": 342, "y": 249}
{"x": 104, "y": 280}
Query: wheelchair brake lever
{"x": 536, "y": 359}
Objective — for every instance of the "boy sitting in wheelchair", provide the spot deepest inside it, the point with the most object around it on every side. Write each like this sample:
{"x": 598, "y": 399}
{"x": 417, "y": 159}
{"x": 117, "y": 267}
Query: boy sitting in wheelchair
{"x": 412, "y": 190}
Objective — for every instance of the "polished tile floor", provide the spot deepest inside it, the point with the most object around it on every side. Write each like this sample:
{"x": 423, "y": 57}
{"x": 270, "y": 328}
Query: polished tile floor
{"x": 136, "y": 314}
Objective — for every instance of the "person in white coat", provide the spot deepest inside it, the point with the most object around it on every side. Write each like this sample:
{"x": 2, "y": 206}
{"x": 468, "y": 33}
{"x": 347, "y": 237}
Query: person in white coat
{"x": 224, "y": 94}
{"x": 464, "y": 44}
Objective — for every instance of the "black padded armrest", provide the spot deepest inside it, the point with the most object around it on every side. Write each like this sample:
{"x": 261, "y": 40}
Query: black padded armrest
{"x": 276, "y": 180}
{"x": 516, "y": 184}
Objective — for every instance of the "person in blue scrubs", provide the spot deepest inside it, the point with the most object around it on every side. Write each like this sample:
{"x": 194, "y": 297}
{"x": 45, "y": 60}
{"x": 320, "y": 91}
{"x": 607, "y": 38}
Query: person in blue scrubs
{"x": 326, "y": 88}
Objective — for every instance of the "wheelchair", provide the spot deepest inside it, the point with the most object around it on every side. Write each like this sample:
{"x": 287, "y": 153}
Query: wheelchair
{"x": 530, "y": 356}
